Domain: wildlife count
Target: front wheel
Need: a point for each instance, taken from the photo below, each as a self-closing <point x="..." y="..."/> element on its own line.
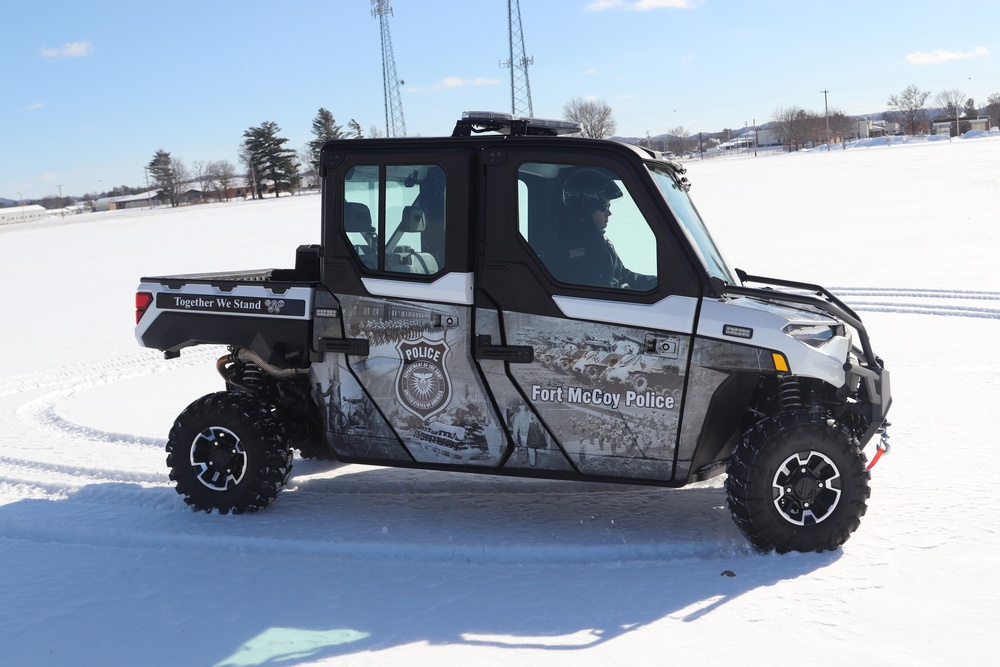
<point x="227" y="452"/>
<point x="797" y="483"/>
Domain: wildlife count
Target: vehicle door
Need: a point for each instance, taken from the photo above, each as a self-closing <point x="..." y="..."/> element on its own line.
<point x="595" y="358"/>
<point x="398" y="379"/>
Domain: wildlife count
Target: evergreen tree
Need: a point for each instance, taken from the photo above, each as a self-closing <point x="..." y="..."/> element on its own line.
<point x="267" y="159"/>
<point x="324" y="128"/>
<point x="354" y="128"/>
<point x="168" y="175"/>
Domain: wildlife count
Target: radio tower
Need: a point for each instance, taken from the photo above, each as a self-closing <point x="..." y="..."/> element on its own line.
<point x="520" y="89"/>
<point x="395" y="126"/>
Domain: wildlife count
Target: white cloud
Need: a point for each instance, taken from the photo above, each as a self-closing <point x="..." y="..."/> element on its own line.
<point x="36" y="105"/>
<point x="942" y="56"/>
<point x="68" y="50"/>
<point x="641" y="5"/>
<point x="458" y="82"/>
<point x="601" y="5"/>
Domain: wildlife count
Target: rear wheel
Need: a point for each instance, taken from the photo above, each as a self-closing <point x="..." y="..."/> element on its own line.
<point x="797" y="483"/>
<point x="226" y="452"/>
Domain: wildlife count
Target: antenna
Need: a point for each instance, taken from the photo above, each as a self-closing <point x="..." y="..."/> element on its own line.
<point x="520" y="89"/>
<point x="395" y="126"/>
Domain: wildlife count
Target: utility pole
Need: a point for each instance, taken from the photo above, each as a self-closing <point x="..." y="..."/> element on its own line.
<point x="826" y="109"/>
<point x="395" y="126"/>
<point x="520" y="88"/>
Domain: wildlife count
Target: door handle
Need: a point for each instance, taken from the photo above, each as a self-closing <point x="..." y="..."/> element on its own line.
<point x="512" y="354"/>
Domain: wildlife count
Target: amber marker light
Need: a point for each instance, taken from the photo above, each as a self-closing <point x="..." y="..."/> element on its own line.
<point x="780" y="364"/>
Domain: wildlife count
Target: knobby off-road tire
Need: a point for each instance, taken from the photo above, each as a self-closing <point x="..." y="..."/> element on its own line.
<point x="797" y="483"/>
<point x="226" y="452"/>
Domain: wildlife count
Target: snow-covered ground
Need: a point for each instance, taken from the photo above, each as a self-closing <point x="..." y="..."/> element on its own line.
<point x="101" y="563"/>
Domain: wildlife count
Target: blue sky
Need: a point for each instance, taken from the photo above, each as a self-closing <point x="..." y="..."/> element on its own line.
<point x="90" y="90"/>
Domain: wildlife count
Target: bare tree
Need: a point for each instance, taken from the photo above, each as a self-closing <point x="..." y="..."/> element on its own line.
<point x="200" y="170"/>
<point x="221" y="177"/>
<point x="952" y="101"/>
<point x="840" y="126"/>
<point x="677" y="140"/>
<point x="910" y="105"/>
<point x="790" y="124"/>
<point x="594" y="116"/>
<point x="308" y="169"/>
<point x="811" y="127"/>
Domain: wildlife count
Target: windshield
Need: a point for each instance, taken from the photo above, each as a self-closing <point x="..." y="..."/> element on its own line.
<point x="692" y="225"/>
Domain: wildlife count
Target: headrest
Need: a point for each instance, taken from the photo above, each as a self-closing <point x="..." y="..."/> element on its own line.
<point x="357" y="217"/>
<point x="413" y="220"/>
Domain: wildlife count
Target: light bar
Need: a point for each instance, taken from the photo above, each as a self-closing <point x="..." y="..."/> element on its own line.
<point x="505" y="123"/>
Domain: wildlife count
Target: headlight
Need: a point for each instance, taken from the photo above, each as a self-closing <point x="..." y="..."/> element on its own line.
<point x="814" y="335"/>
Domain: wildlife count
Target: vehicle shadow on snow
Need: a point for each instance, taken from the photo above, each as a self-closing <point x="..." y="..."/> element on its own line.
<point x="379" y="559"/>
<point x="519" y="563"/>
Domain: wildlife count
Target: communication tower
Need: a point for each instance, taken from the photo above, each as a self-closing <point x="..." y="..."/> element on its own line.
<point x="520" y="89"/>
<point x="395" y="126"/>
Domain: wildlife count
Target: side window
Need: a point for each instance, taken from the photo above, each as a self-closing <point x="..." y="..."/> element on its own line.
<point x="585" y="226"/>
<point x="394" y="217"/>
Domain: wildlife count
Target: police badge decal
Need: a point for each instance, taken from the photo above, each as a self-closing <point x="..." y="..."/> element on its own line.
<point x="422" y="383"/>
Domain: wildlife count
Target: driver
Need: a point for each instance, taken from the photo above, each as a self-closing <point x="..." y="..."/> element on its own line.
<point x="584" y="255"/>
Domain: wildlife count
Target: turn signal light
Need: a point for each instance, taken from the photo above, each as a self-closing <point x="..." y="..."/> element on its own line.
<point x="780" y="363"/>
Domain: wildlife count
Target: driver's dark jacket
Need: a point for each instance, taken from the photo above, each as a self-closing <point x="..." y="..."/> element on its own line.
<point x="583" y="256"/>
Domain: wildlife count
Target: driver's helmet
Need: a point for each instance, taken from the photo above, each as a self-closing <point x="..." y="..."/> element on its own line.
<point x="589" y="190"/>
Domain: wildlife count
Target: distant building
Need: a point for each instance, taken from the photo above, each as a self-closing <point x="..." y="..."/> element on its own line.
<point x="946" y="126"/>
<point x="126" y="201"/>
<point x="13" y="214"/>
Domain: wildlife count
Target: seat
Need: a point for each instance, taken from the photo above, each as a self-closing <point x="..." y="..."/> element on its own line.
<point x="358" y="220"/>
<point x="403" y="259"/>
<point x="413" y="220"/>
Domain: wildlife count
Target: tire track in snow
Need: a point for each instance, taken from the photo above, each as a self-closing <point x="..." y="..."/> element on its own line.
<point x="97" y="373"/>
<point x="27" y="468"/>
<point x="38" y="417"/>
<point x="915" y="301"/>
<point x="40" y="413"/>
<point x="917" y="292"/>
<point x="26" y="479"/>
